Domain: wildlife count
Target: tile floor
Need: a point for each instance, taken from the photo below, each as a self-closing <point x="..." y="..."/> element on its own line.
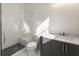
<point x="24" y="52"/>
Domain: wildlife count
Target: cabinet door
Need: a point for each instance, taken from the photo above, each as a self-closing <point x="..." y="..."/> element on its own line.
<point x="56" y="48"/>
<point x="45" y="49"/>
<point x="52" y="48"/>
<point x="73" y="50"/>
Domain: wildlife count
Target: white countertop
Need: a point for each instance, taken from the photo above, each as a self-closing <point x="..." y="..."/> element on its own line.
<point x="68" y="39"/>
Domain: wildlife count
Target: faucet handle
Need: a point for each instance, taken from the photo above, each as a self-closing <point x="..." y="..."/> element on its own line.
<point x="63" y="34"/>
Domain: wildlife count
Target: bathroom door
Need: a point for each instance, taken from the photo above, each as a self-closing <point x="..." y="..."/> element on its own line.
<point x="10" y="24"/>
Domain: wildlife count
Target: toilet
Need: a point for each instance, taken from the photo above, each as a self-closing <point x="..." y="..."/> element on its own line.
<point x="31" y="47"/>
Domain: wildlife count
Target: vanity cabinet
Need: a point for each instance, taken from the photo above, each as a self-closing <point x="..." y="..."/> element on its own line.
<point x="57" y="48"/>
<point x="51" y="48"/>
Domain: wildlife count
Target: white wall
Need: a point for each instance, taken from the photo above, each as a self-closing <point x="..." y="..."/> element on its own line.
<point x="40" y="14"/>
<point x="28" y="19"/>
<point x="10" y="24"/>
<point x="13" y="16"/>
<point x="65" y="18"/>
<point x="34" y="16"/>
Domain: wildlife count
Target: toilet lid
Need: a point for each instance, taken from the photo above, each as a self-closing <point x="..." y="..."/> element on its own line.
<point x="32" y="44"/>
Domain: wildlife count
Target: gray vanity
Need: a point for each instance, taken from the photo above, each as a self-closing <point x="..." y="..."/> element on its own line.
<point x="59" y="46"/>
